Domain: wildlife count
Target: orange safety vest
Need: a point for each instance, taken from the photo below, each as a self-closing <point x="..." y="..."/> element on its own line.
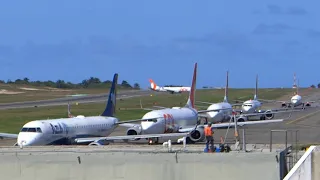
<point x="208" y="131"/>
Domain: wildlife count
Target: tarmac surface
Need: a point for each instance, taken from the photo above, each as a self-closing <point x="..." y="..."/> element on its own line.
<point x="82" y="99"/>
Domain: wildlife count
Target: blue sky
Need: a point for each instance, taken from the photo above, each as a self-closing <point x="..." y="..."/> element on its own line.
<point x="76" y="39"/>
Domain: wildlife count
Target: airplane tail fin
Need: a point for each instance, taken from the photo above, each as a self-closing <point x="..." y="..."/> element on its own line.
<point x="69" y="112"/>
<point x="190" y="102"/>
<point x="226" y="89"/>
<point x="111" y="104"/>
<point x="256" y="89"/>
<point x="153" y="85"/>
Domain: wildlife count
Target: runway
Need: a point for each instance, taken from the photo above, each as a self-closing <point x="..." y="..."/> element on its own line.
<point x="82" y="99"/>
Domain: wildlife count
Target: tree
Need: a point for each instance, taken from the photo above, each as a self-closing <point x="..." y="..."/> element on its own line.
<point x="313" y="86"/>
<point x="319" y="85"/>
<point x="136" y="86"/>
<point x="126" y="84"/>
<point x="26" y="80"/>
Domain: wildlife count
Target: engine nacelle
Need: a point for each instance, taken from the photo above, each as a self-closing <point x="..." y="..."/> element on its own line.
<point x="197" y="135"/>
<point x="269" y="114"/>
<point x="99" y="143"/>
<point x="242" y="119"/>
<point x="136" y="130"/>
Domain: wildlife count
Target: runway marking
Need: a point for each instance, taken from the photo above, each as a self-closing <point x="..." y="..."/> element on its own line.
<point x="303" y="117"/>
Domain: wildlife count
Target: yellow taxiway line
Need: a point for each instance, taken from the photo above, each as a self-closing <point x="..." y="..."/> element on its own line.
<point x="303" y="117"/>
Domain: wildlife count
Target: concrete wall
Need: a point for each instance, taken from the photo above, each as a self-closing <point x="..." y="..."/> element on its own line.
<point x="138" y="166"/>
<point x="315" y="165"/>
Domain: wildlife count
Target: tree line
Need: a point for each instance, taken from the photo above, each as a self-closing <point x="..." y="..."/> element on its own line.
<point x="92" y="82"/>
<point x="313" y="86"/>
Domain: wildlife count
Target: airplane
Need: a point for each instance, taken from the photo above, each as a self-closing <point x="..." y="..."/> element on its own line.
<point x="223" y="111"/>
<point x="64" y="131"/>
<point x="172" y="90"/>
<point x="296" y="99"/>
<point x="175" y="120"/>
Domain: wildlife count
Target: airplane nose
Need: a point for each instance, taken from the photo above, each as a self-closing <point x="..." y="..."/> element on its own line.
<point x="26" y="139"/>
<point x="149" y="127"/>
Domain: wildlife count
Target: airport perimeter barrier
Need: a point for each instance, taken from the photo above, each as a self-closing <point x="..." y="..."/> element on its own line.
<point x="308" y="166"/>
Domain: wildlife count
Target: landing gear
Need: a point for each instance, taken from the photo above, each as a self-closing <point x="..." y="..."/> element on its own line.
<point x="262" y="117"/>
<point x="153" y="141"/>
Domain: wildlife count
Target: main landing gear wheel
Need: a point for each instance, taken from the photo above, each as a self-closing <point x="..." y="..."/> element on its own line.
<point x="153" y="141"/>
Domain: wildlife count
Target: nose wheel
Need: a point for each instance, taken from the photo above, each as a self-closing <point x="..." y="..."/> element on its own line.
<point x="153" y="141"/>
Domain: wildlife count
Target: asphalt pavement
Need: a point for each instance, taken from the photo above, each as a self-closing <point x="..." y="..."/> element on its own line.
<point x="82" y="99"/>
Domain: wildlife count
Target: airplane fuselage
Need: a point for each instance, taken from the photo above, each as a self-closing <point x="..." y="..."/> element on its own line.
<point x="250" y="106"/>
<point x="296" y="100"/>
<point x="63" y="131"/>
<point x="172" y="119"/>
<point x="221" y="112"/>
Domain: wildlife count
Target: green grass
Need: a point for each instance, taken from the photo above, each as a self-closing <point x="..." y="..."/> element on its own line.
<point x="44" y="93"/>
<point x="12" y="120"/>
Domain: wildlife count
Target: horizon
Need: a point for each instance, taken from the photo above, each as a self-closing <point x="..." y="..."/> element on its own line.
<point x="74" y="40"/>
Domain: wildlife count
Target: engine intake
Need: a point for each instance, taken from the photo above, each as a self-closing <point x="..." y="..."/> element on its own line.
<point x="269" y="114"/>
<point x="197" y="135"/>
<point x="136" y="130"/>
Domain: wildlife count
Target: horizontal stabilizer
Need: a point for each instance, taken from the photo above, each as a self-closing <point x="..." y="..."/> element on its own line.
<point x="131" y="137"/>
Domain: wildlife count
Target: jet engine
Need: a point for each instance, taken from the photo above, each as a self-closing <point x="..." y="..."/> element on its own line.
<point x="269" y="114"/>
<point x="197" y="135"/>
<point x="242" y="119"/>
<point x="135" y="130"/>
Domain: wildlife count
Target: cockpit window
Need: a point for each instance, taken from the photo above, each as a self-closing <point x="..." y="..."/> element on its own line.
<point x="31" y="130"/>
<point x="39" y="130"/>
<point x="247" y="105"/>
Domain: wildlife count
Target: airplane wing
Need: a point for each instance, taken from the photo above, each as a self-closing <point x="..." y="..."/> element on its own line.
<point x="130" y="137"/>
<point x="8" y="135"/>
<point x="218" y="125"/>
<point x="275" y="111"/>
<point x="137" y="120"/>
<point x="210" y="103"/>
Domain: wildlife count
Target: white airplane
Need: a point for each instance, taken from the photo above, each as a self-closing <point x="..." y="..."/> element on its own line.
<point x="172" y="90"/>
<point x="175" y="120"/>
<point x="296" y="99"/>
<point x="65" y="131"/>
<point x="223" y="111"/>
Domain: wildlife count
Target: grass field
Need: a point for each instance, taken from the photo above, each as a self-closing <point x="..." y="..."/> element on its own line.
<point x="18" y="93"/>
<point x="12" y="120"/>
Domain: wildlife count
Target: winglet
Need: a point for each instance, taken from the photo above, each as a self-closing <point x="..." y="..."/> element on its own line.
<point x="190" y="102"/>
<point x="111" y="104"/>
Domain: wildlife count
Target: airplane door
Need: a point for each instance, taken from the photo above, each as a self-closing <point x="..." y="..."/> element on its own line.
<point x="169" y="123"/>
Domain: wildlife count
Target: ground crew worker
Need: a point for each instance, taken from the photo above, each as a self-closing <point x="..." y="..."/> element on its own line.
<point x="209" y="137"/>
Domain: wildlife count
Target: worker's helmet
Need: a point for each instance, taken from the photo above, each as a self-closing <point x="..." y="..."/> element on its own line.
<point x="209" y="123"/>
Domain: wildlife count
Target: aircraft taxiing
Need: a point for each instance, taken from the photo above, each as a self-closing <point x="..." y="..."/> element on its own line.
<point x="172" y="90"/>
<point x="65" y="131"/>
<point x="175" y="120"/>
<point x="296" y="99"/>
<point x="223" y="111"/>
